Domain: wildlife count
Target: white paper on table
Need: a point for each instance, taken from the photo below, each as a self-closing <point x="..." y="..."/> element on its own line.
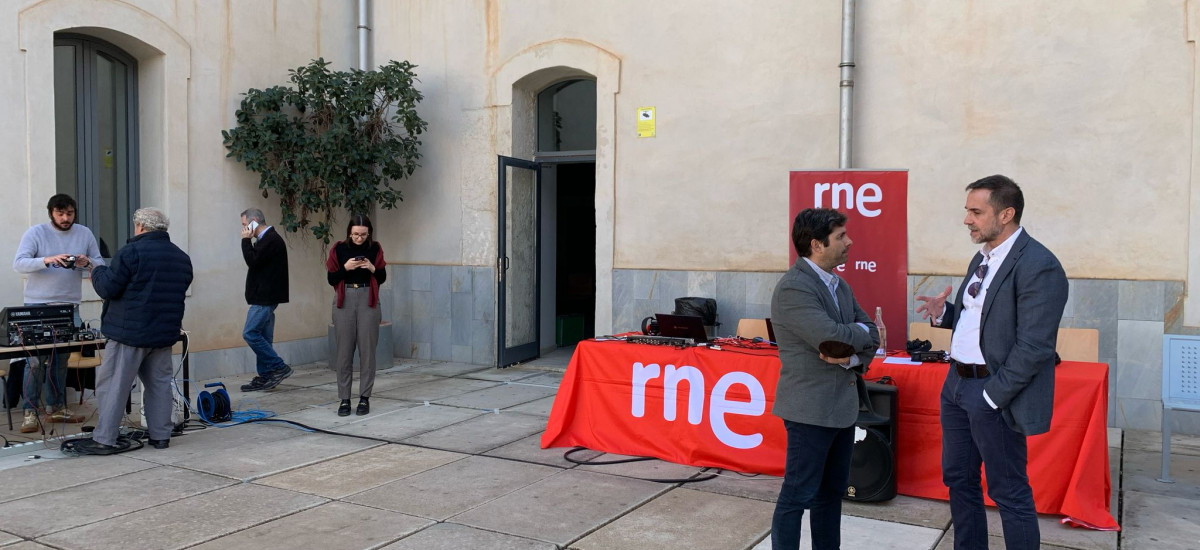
<point x="901" y="361"/>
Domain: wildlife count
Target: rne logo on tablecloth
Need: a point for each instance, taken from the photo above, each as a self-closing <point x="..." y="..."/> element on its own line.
<point x="718" y="403"/>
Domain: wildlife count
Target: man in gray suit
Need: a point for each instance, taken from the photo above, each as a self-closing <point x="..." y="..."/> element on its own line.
<point x="817" y="395"/>
<point x="1000" y="387"/>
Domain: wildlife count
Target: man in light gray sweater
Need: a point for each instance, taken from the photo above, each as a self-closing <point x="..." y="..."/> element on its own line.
<point x="44" y="255"/>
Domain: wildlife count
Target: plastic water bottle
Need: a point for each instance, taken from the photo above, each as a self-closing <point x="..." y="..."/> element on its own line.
<point x="882" y="331"/>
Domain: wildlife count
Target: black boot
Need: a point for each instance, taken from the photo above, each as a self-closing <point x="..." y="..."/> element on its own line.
<point x="344" y="408"/>
<point x="364" y="406"/>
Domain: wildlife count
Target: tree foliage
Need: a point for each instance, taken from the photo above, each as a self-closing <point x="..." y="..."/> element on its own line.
<point x="333" y="139"/>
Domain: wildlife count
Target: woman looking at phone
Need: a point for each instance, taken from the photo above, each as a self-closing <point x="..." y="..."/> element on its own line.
<point x="356" y="269"/>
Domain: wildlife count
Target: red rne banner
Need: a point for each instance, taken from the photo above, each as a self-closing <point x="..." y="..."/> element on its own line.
<point x="876" y="205"/>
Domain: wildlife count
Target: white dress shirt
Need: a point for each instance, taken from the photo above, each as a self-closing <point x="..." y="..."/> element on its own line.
<point x="964" y="344"/>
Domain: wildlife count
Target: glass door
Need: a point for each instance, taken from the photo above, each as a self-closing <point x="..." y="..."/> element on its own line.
<point x="518" y="315"/>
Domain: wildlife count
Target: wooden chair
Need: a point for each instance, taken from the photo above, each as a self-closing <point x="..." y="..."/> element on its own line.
<point x="1074" y="344"/>
<point x="78" y="361"/>
<point x="1079" y="344"/>
<point x="752" y="328"/>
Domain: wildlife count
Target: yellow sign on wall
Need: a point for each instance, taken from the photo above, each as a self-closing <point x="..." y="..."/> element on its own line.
<point x="645" y="122"/>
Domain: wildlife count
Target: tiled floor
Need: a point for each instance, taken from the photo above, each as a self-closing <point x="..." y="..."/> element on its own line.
<point x="450" y="458"/>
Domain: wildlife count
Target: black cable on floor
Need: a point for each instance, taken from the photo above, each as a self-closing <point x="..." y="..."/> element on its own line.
<point x="567" y="457"/>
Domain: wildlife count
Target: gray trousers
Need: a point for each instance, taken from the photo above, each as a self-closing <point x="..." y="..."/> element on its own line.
<point x="355" y="324"/>
<point x="114" y="380"/>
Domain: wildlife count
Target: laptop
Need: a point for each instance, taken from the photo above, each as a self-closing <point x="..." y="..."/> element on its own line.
<point x="771" y="332"/>
<point x="682" y="326"/>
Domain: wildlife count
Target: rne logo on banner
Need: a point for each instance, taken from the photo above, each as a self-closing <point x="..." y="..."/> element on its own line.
<point x="868" y="193"/>
<point x="718" y="405"/>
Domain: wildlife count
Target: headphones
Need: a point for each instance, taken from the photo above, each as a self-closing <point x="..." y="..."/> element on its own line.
<point x="650" y="326"/>
<point x="215" y="406"/>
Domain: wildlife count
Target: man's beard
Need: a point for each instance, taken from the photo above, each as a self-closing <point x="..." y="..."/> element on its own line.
<point x="987" y="234"/>
<point x="61" y="228"/>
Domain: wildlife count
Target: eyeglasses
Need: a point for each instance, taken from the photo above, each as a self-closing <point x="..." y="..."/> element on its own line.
<point x="360" y="234"/>
<point x="980" y="272"/>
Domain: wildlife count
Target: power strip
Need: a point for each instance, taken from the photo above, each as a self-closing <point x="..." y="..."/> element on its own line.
<point x="37" y="447"/>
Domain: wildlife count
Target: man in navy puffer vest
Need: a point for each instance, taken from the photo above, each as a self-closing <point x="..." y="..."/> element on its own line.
<point x="143" y="293"/>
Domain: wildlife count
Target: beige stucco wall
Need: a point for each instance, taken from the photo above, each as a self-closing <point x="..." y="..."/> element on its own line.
<point x="1089" y="105"/>
<point x="195" y="58"/>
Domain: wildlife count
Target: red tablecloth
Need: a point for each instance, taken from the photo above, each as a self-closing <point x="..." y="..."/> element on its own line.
<point x="717" y="413"/>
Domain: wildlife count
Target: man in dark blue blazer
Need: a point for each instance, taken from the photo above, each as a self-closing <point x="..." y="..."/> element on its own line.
<point x="1000" y="388"/>
<point x="817" y="395"/>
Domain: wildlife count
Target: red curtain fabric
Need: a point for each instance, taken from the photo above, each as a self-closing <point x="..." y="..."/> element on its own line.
<point x="706" y="407"/>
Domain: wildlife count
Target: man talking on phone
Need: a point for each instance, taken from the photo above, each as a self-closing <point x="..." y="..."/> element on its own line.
<point x="266" y="287"/>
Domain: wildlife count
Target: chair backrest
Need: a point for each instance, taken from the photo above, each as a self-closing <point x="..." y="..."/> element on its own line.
<point x="752" y="328"/>
<point x="1074" y="344"/>
<point x="938" y="337"/>
<point x="1079" y="344"/>
<point x="78" y="361"/>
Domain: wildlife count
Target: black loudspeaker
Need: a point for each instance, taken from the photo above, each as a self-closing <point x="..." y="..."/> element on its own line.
<point x="873" y="461"/>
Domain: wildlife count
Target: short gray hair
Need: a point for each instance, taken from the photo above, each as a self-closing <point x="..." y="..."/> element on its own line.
<point x="255" y="214"/>
<point x="151" y="219"/>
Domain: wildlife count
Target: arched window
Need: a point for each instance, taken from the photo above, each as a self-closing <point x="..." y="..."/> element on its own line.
<point x="566" y="119"/>
<point x="95" y="134"/>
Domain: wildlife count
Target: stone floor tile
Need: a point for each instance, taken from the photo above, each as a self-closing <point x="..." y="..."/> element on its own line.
<point x="282" y="401"/>
<point x="1160" y="522"/>
<point x="877" y="535"/>
<point x="8" y="538"/>
<point x="360" y="471"/>
<point x="27" y="545"/>
<point x="994" y="543"/>
<point x="551" y="379"/>
<point x="451" y="536"/>
<point x="1151" y="442"/>
<point x="191" y="521"/>
<point x="499" y="397"/>
<point x="449" y="369"/>
<point x="712" y="521"/>
<point x="385" y="382"/>
<point x="202" y="443"/>
<point x="439" y="389"/>
<point x="52" y="475"/>
<point x="307" y="377"/>
<point x="482" y="433"/>
<point x="442" y="492"/>
<point x="325" y="416"/>
<point x="330" y="525"/>
<point x="562" y="507"/>
<point x="510" y="374"/>
<point x="539" y="407"/>
<point x="922" y="512"/>
<point x="115" y="496"/>
<point x="1054" y="533"/>
<point x="1143" y="469"/>
<point x="404" y="423"/>
<point x="248" y="462"/>
<point x="529" y="449"/>
<point x="652" y="469"/>
<point x="755" y="486"/>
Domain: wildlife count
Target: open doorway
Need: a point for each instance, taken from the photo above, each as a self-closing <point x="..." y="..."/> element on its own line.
<point x="568" y="263"/>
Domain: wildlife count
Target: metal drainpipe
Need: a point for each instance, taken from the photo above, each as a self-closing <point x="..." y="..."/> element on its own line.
<point x="846" y="127"/>
<point x="364" y="35"/>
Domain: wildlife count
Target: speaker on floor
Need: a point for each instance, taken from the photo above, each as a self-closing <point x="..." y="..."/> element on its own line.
<point x="873" y="461"/>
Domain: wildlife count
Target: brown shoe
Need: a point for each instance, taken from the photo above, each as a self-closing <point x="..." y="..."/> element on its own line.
<point x="64" y="415"/>
<point x="30" y="424"/>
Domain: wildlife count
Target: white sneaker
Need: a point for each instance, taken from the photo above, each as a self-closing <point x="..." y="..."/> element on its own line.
<point x="64" y="415"/>
<point x="30" y="424"/>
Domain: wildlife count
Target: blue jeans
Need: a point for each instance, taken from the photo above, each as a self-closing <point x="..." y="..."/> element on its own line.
<point x="35" y="380"/>
<point x="816" y="472"/>
<point x="259" y="333"/>
<point x="973" y="433"/>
